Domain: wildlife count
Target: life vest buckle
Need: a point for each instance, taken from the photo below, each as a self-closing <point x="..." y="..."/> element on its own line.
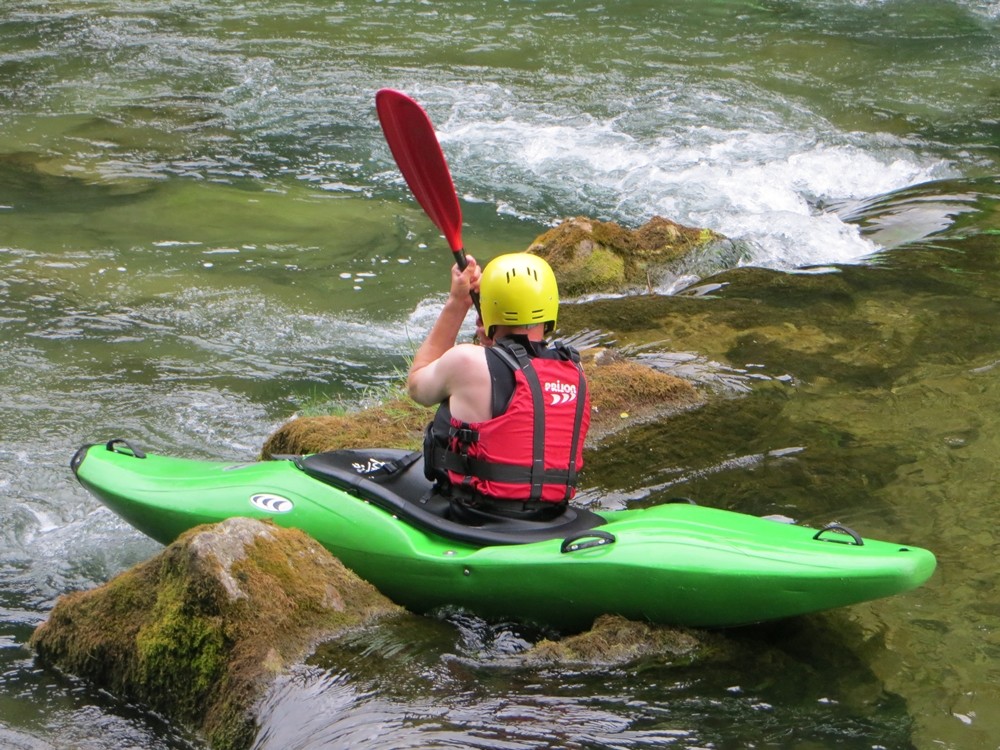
<point x="464" y="435"/>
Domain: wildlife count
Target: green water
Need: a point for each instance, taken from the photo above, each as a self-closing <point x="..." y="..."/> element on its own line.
<point x="888" y="423"/>
<point x="201" y="231"/>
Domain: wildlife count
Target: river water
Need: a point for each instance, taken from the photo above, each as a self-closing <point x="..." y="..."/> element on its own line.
<point x="202" y="232"/>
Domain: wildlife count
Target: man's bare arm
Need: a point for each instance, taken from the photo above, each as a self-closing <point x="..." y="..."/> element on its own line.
<point x="427" y="383"/>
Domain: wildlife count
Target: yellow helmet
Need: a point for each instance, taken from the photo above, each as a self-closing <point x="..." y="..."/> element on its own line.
<point x="518" y="289"/>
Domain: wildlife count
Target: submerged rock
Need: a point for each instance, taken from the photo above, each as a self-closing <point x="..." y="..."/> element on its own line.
<point x="616" y="641"/>
<point x="198" y="632"/>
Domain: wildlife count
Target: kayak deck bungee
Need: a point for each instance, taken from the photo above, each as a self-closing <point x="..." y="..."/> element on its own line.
<point x="675" y="563"/>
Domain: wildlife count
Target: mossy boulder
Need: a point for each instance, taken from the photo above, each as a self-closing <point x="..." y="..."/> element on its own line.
<point x="198" y="632"/>
<point x="590" y="256"/>
<point x="395" y="422"/>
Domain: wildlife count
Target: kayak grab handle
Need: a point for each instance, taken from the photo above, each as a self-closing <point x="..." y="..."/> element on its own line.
<point x="593" y="537"/>
<point x="840" y="528"/>
<point x="681" y="500"/>
<point x="131" y="449"/>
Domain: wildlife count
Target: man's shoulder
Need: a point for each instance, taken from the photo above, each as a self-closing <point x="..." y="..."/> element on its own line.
<point x="469" y="355"/>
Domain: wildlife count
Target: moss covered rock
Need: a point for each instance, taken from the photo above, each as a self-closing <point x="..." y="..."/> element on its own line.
<point x="591" y="256"/>
<point x="623" y="393"/>
<point x="615" y="641"/>
<point x="397" y="422"/>
<point x="198" y="632"/>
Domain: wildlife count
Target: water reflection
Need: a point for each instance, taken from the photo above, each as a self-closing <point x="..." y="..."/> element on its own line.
<point x="464" y="683"/>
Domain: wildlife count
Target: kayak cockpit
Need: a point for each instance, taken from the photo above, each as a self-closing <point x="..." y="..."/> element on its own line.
<point x="394" y="481"/>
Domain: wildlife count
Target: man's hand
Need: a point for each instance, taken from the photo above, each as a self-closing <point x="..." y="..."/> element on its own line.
<point x="464" y="283"/>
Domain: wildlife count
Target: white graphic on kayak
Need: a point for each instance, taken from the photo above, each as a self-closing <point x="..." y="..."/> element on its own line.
<point x="271" y="503"/>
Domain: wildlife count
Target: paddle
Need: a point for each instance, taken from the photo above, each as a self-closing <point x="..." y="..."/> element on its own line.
<point x="410" y="135"/>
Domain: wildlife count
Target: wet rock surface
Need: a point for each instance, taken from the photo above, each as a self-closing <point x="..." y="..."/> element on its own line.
<point x="198" y="632"/>
<point x="602" y="257"/>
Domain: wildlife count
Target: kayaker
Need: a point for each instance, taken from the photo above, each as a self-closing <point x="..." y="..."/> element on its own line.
<point x="513" y="413"/>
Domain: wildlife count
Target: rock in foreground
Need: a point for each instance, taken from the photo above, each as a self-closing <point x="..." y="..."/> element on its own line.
<point x="198" y="632"/>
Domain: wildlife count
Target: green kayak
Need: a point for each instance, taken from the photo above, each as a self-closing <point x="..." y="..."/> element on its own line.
<point x="676" y="563"/>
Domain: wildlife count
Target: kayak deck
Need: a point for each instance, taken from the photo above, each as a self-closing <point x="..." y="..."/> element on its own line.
<point x="394" y="480"/>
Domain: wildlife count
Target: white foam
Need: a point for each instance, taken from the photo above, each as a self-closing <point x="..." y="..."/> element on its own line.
<point x="754" y="177"/>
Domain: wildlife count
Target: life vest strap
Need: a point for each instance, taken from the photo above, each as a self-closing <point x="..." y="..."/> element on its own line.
<point x="581" y="400"/>
<point x="492" y="471"/>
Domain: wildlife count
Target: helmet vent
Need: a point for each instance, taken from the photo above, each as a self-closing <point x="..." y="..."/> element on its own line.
<point x="514" y="317"/>
<point x="512" y="273"/>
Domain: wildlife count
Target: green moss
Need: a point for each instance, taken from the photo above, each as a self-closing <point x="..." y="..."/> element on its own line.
<point x="594" y="271"/>
<point x="595" y="256"/>
<point x="173" y="634"/>
<point x="394" y="423"/>
<point x="180" y="654"/>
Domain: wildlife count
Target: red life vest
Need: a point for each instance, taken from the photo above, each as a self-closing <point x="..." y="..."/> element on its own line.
<point x="530" y="452"/>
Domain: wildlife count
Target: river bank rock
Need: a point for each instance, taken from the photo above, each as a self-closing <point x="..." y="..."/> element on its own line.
<point x="393" y="422"/>
<point x="198" y="632"/>
<point x="622" y="392"/>
<point x="587" y="256"/>
<point x="590" y="256"/>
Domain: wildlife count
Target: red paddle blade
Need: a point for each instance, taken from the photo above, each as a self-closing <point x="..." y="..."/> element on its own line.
<point x="410" y="135"/>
